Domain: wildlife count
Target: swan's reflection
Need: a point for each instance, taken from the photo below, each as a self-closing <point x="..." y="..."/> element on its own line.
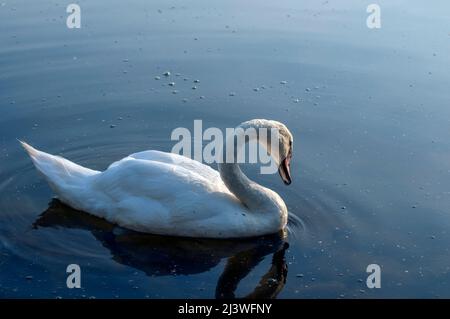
<point x="162" y="255"/>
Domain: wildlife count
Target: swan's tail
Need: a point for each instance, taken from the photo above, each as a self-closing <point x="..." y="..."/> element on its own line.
<point x="63" y="176"/>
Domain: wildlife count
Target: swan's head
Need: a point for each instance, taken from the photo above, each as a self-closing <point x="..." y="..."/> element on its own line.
<point x="282" y="156"/>
<point x="285" y="144"/>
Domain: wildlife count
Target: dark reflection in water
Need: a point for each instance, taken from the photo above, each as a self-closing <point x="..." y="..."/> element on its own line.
<point x="239" y="265"/>
<point x="163" y="255"/>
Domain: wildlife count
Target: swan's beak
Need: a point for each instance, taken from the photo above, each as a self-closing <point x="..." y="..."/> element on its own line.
<point x="285" y="170"/>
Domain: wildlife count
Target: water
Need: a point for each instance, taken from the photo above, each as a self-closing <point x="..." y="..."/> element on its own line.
<point x="368" y="110"/>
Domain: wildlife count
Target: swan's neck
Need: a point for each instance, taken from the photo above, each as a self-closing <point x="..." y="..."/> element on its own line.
<point x="251" y="194"/>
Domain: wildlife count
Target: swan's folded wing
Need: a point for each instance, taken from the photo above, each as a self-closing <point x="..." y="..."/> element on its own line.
<point x="154" y="196"/>
<point x="179" y="160"/>
<point x="157" y="179"/>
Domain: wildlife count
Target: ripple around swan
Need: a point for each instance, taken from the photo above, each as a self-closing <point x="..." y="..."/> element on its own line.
<point x="295" y="225"/>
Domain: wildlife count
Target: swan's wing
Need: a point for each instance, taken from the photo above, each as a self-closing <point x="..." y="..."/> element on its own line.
<point x="159" y="197"/>
<point x="178" y="160"/>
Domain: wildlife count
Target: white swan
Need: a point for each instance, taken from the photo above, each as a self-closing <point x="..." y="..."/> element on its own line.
<point x="168" y="194"/>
